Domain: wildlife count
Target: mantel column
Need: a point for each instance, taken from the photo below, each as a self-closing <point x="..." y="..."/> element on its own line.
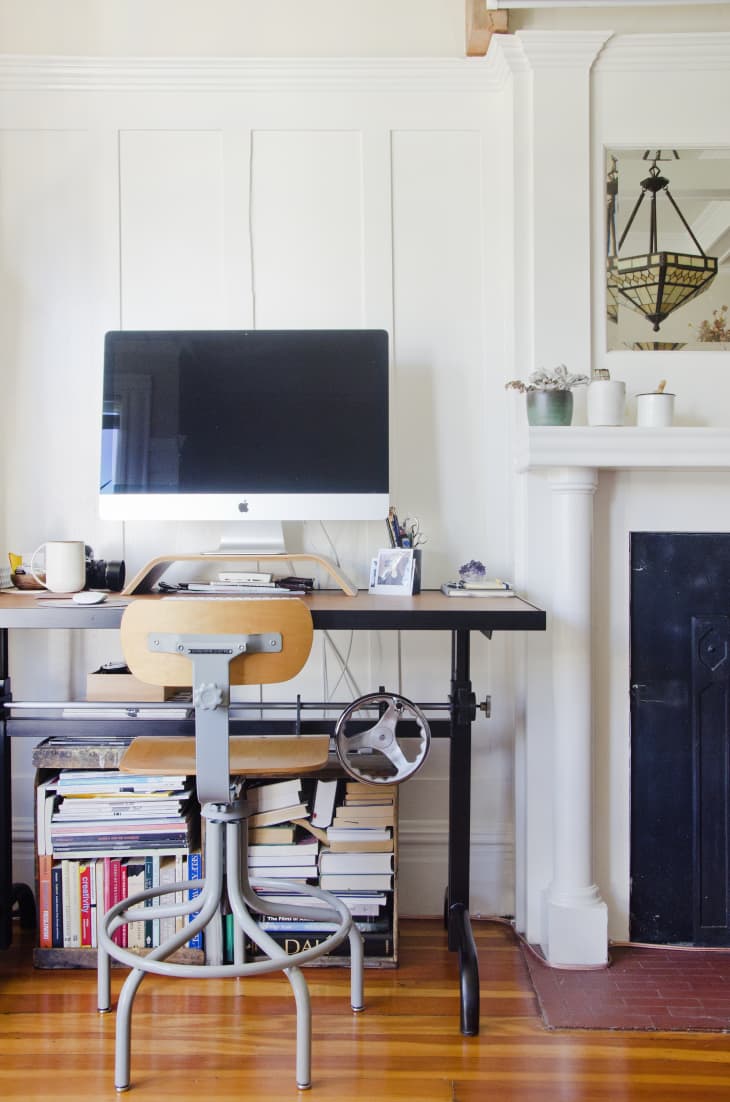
<point x="576" y="918"/>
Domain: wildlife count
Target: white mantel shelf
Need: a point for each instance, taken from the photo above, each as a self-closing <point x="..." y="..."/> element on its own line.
<point x="677" y="448"/>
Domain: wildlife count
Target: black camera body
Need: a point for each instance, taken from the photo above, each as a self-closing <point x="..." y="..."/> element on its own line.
<point x="104" y="575"/>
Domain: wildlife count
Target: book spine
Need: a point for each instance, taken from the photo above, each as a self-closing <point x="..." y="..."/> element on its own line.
<point x="123" y="892"/>
<point x="115" y="875"/>
<point x="57" y="905"/>
<point x="71" y="905"/>
<point x="149" y="934"/>
<point x="85" y="876"/>
<point x="374" y="945"/>
<point x="99" y="898"/>
<point x="45" y="865"/>
<point x="195" y="872"/>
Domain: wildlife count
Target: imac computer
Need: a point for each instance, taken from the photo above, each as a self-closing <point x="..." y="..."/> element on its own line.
<point x="245" y="425"/>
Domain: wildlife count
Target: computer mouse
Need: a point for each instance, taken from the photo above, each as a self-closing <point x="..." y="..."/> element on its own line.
<point x="89" y="597"/>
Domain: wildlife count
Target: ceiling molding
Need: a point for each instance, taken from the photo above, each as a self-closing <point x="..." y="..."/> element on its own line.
<point x="565" y="50"/>
<point x="505" y="5"/>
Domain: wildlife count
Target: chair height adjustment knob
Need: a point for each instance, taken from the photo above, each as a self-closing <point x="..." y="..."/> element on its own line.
<point x="207" y="696"/>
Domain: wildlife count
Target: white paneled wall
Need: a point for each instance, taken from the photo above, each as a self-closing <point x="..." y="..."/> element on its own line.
<point x="172" y="229"/>
<point x="275" y="195"/>
<point x="307" y="239"/>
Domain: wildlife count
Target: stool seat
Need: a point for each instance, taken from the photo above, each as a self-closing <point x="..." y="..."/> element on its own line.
<point x="249" y="755"/>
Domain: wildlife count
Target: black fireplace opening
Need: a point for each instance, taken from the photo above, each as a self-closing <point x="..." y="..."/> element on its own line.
<point x="680" y="738"/>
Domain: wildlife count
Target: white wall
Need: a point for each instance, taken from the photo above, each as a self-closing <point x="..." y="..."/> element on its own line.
<point x="208" y="195"/>
<point x="234" y="28"/>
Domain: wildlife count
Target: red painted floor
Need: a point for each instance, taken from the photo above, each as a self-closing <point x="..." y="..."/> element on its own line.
<point x="674" y="989"/>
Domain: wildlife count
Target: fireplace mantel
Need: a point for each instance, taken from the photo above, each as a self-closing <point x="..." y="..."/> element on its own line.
<point x="675" y="448"/>
<point x="574" y="914"/>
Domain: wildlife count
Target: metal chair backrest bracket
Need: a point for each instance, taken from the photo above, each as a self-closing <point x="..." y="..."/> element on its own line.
<point x="210" y="657"/>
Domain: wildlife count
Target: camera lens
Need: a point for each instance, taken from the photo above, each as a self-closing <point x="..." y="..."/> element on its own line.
<point x="105" y="575"/>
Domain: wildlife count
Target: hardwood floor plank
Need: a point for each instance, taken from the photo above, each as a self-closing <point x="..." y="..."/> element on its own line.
<point x="234" y="1040"/>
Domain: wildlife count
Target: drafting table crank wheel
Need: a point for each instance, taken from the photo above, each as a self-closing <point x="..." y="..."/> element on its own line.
<point x="376" y="755"/>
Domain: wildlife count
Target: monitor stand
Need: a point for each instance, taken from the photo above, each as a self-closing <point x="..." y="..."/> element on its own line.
<point x="251" y="537"/>
<point x="149" y="575"/>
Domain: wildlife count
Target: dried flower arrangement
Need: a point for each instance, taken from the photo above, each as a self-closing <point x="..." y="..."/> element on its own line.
<point x="716" y="330"/>
<point x="556" y="378"/>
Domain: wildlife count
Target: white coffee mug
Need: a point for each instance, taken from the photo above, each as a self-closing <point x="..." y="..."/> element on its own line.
<point x="65" y="566"/>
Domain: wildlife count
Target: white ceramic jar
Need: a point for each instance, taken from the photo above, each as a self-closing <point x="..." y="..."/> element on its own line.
<point x="606" y="401"/>
<point x="655" y="410"/>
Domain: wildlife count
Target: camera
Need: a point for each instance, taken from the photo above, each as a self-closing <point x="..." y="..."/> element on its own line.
<point x="103" y="575"/>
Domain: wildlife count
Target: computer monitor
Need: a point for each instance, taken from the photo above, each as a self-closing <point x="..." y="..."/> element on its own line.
<point x="245" y="425"/>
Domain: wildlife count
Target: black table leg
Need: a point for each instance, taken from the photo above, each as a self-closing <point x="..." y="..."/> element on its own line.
<point x="6" y="836"/>
<point x="461" y="938"/>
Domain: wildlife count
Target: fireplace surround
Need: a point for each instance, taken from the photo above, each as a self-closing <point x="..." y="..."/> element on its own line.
<point x="561" y="902"/>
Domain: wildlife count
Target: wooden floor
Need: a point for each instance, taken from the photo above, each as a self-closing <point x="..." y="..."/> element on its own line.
<point x="224" y="1041"/>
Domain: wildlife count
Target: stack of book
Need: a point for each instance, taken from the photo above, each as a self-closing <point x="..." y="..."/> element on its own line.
<point x="356" y="825"/>
<point x="258" y="583"/>
<point x="480" y="587"/>
<point x="279" y="848"/>
<point x="103" y="835"/>
<point x="274" y="804"/>
<point x="360" y="840"/>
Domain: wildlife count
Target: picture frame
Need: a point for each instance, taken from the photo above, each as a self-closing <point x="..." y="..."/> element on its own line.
<point x="392" y="573"/>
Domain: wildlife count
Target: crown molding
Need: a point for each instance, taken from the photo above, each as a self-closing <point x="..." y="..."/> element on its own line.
<point x="137" y="74"/>
<point x="562" y="49"/>
<point x="506" y="58"/>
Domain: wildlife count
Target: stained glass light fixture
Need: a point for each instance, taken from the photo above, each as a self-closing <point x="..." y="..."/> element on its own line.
<point x="611" y="248"/>
<point x="656" y="283"/>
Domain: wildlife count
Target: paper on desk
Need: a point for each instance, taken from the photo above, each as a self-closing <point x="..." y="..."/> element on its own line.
<point x="68" y="602"/>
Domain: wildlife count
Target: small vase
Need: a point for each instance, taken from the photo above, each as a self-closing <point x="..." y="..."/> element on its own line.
<point x="549" y="407"/>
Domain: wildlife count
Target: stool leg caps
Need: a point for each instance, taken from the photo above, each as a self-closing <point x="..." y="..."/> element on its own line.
<point x="357" y="1009"/>
<point x="121" y="1090"/>
<point x="304" y="1086"/>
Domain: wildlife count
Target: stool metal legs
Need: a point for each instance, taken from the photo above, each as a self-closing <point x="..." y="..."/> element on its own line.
<point x="231" y="820"/>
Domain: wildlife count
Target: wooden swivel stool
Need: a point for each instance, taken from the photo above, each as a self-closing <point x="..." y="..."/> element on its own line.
<point x="213" y="644"/>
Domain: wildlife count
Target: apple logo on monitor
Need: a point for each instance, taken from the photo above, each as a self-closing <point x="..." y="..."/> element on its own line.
<point x="243" y="506"/>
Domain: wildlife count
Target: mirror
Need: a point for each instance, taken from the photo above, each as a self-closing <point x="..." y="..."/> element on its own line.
<point x="668" y="249"/>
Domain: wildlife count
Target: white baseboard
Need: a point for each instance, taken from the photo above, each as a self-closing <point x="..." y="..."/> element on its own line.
<point x="423" y="870"/>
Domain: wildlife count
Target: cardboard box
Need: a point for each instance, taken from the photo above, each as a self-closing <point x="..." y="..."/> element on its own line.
<point x="124" y="686"/>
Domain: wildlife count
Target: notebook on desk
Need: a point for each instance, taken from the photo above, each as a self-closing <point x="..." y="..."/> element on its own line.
<point x="230" y="596"/>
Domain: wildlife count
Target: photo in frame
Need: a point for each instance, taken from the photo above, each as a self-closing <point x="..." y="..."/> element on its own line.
<point x="393" y="572"/>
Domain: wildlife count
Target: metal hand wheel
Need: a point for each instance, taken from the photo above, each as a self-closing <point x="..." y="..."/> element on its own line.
<point x="376" y="755"/>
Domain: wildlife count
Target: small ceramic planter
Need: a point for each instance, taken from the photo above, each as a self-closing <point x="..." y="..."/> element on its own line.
<point x="655" y="410"/>
<point x="549" y="407"/>
<point x="606" y="402"/>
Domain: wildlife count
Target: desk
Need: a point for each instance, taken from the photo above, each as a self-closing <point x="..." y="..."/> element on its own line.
<point x="428" y="611"/>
